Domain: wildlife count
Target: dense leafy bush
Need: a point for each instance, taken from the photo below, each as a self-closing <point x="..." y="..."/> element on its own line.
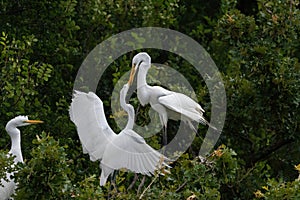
<point x="47" y="170"/>
<point x="6" y="165"/>
<point x="255" y="45"/>
<point x="275" y="189"/>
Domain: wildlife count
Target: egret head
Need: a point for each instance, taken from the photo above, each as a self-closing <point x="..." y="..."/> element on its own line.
<point x="137" y="61"/>
<point x="20" y="121"/>
<point x="123" y="94"/>
<point x="127" y="107"/>
<point x="124" y="91"/>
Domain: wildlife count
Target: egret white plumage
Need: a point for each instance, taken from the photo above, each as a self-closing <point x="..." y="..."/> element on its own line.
<point x="12" y="129"/>
<point x="167" y="103"/>
<point x="115" y="151"/>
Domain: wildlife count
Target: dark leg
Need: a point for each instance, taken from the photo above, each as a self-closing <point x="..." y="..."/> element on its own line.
<point x="133" y="182"/>
<point x="113" y="181"/>
<point x="112" y="186"/>
<point x="141" y="184"/>
<point x="165" y="136"/>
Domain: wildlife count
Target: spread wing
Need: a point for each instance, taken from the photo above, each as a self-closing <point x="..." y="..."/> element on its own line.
<point x="184" y="105"/>
<point x="87" y="113"/>
<point x="133" y="153"/>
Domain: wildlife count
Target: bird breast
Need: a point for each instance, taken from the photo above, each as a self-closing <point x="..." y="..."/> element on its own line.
<point x="143" y="95"/>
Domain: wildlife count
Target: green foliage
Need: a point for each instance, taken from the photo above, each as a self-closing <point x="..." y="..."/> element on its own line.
<point x="46" y="175"/>
<point x="88" y="188"/>
<point x="227" y="165"/>
<point x="20" y="79"/>
<point x="190" y="177"/>
<point x="99" y="19"/>
<point x="261" y="72"/>
<point x="255" y="45"/>
<point x="280" y="189"/>
<point x="22" y="82"/>
<point x="6" y="165"/>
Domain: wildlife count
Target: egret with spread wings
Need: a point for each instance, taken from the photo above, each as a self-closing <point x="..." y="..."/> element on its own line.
<point x="9" y="186"/>
<point x="115" y="151"/>
<point x="167" y="103"/>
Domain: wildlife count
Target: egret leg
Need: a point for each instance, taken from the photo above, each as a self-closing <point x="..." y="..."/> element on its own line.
<point x="165" y="136"/>
<point x="163" y="120"/>
<point x="113" y="180"/>
<point x="133" y="182"/>
<point x="141" y="185"/>
<point x="112" y="186"/>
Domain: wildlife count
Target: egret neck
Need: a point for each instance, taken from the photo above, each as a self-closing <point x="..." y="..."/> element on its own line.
<point x="15" y="136"/>
<point x="129" y="109"/>
<point x="142" y="86"/>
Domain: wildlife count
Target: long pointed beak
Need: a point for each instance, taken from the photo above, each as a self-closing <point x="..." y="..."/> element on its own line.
<point x="132" y="73"/>
<point x="34" y="121"/>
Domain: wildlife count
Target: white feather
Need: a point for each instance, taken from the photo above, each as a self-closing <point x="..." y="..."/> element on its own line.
<point x="184" y="105"/>
<point x="87" y="113"/>
<point x="125" y="150"/>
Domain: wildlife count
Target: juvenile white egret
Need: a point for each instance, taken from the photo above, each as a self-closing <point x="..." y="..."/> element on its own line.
<point x="167" y="103"/>
<point x="115" y="151"/>
<point x="8" y="188"/>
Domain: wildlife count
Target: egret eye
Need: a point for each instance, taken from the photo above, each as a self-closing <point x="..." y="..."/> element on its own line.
<point x="167" y="103"/>
<point x="12" y="129"/>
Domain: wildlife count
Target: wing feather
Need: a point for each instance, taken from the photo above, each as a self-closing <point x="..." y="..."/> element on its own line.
<point x="184" y="105"/>
<point x="133" y="153"/>
<point x="87" y="113"/>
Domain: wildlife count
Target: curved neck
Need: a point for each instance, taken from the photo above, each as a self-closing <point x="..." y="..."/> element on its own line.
<point x="142" y="75"/>
<point x="130" y="111"/>
<point x="15" y="137"/>
<point x="143" y="93"/>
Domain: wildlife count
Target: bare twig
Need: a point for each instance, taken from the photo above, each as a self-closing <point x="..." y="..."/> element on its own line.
<point x="147" y="188"/>
<point x="133" y="182"/>
<point x="161" y="169"/>
<point x="181" y="186"/>
<point x="141" y="185"/>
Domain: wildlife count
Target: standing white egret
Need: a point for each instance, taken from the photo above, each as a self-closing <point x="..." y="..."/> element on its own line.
<point x="167" y="103"/>
<point x="115" y="151"/>
<point x="8" y="188"/>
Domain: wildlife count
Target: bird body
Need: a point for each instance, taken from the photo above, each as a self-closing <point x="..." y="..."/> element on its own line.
<point x="131" y="147"/>
<point x="115" y="151"/>
<point x="171" y="104"/>
<point x="9" y="186"/>
<point x="167" y="103"/>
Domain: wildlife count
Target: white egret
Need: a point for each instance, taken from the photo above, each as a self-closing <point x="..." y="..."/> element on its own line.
<point x="167" y="103"/>
<point x="9" y="186"/>
<point x="115" y="151"/>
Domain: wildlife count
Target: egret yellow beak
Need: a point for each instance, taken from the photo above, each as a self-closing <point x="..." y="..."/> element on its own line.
<point x="34" y="121"/>
<point x="132" y="73"/>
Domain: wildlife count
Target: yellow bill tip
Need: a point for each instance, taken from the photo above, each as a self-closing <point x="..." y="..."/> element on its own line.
<point x="34" y="121"/>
